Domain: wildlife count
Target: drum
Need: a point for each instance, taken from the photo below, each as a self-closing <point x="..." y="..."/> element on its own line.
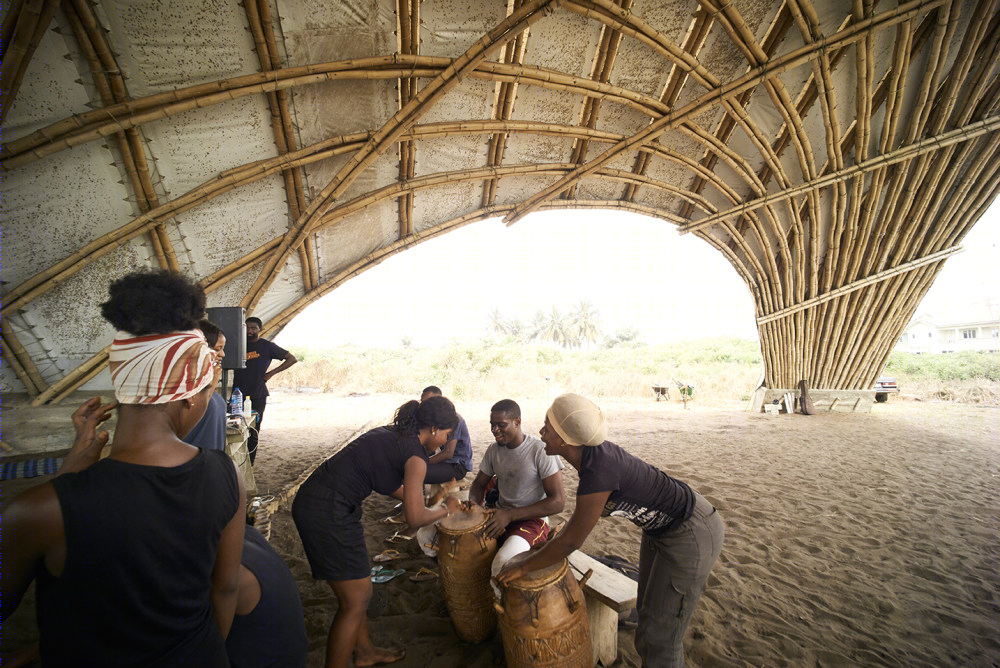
<point x="465" y="556"/>
<point x="543" y="620"/>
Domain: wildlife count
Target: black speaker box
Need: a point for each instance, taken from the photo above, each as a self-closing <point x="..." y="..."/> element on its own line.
<point x="231" y="320"/>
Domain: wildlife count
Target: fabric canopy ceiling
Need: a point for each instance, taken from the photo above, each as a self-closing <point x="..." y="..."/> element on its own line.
<point x="835" y="153"/>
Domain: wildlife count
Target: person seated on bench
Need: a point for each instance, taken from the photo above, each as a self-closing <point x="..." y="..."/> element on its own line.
<point x="682" y="533"/>
<point x="529" y="480"/>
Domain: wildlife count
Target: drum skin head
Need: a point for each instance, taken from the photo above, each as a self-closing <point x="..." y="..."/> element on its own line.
<point x="463" y="520"/>
<point x="541" y="576"/>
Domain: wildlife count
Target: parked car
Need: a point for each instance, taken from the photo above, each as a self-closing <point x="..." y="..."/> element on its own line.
<point x="885" y="386"/>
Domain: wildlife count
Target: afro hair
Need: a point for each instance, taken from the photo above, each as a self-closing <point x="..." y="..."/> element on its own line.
<point x="154" y="302"/>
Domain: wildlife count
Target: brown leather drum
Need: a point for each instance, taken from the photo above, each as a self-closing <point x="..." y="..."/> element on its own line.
<point x="465" y="556"/>
<point x="543" y="620"/>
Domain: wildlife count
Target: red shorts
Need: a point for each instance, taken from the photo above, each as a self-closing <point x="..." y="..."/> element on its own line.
<point x="534" y="531"/>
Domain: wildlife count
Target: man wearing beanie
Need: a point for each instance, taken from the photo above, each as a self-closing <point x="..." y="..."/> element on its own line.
<point x="529" y="482"/>
<point x="682" y="532"/>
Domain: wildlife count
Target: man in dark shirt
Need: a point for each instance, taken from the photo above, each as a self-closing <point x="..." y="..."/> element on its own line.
<point x="252" y="381"/>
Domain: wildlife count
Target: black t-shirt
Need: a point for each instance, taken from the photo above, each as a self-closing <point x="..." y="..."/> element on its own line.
<point x="273" y="635"/>
<point x="375" y="461"/>
<point x="260" y="354"/>
<point x="639" y="492"/>
<point x="141" y="544"/>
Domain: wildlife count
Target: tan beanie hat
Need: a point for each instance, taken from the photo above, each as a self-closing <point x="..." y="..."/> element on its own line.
<point x="577" y="420"/>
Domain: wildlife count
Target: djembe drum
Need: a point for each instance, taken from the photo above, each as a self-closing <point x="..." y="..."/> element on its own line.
<point x="543" y="620"/>
<point x="465" y="555"/>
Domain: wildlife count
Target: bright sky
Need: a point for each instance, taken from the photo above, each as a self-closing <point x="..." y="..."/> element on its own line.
<point x="636" y="271"/>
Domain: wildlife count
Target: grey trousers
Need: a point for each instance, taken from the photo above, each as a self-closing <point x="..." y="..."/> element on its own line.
<point x="673" y="570"/>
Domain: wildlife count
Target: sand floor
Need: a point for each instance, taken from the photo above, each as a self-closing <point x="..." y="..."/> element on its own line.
<point x="852" y="540"/>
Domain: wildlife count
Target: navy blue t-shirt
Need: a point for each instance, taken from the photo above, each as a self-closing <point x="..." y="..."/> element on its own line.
<point x="260" y="354"/>
<point x="463" y="446"/>
<point x="273" y="634"/>
<point x="210" y="432"/>
<point x="639" y="492"/>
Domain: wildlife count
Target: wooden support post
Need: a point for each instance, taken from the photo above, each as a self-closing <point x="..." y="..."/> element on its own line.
<point x="607" y="593"/>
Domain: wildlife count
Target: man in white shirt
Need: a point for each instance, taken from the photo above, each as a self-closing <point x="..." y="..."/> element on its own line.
<point x="529" y="482"/>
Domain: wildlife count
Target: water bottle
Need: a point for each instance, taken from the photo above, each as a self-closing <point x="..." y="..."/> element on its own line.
<point x="236" y="403"/>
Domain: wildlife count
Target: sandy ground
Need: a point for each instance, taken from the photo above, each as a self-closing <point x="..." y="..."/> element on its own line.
<point x="852" y="540"/>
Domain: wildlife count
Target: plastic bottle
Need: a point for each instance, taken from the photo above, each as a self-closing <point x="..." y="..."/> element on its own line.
<point x="236" y="403"/>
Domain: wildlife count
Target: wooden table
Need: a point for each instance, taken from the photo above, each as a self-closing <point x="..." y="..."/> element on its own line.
<point x="236" y="448"/>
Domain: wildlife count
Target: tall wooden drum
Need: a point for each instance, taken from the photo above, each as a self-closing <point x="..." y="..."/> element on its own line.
<point x="543" y="620"/>
<point x="465" y="555"/>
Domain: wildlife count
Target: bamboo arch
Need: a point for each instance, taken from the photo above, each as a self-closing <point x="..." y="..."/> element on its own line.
<point x="889" y="161"/>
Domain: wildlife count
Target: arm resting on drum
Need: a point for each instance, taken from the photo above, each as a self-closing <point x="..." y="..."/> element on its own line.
<point x="417" y="515"/>
<point x="585" y="516"/>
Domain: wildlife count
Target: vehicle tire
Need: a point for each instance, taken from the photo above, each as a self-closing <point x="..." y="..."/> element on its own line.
<point x="881" y="397"/>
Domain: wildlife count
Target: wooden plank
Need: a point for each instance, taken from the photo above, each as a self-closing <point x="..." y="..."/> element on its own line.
<point x="615" y="590"/>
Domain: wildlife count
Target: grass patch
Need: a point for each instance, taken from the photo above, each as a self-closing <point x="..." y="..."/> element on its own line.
<point x="722" y="371"/>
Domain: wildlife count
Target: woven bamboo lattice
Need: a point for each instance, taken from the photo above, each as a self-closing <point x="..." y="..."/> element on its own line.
<point x="835" y="153"/>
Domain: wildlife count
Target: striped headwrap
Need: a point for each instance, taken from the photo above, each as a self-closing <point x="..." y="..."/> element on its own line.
<point x="159" y="368"/>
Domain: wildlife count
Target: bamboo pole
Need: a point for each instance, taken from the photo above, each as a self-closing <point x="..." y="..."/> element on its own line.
<point x="802" y="55"/>
<point x="857" y="285"/>
<point x="90" y="126"/>
<point x="390" y="132"/>
<point x="111" y="88"/>
<point x="61" y="271"/>
<point x="24" y="27"/>
<point x="18" y="368"/>
<point x="698" y="30"/>
<point x="24" y="363"/>
<point x="904" y="153"/>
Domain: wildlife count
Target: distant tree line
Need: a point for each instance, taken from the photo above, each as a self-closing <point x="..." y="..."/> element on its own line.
<point x="576" y="328"/>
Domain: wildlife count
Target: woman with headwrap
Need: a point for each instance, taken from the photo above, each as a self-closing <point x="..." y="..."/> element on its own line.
<point x="390" y="460"/>
<point x="136" y="556"/>
<point x="681" y="531"/>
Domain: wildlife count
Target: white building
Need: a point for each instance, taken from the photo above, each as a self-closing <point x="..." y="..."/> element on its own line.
<point x="976" y="329"/>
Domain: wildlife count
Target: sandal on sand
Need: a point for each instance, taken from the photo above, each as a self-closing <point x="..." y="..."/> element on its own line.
<point x="386" y="575"/>
<point x="397" y="538"/>
<point x="393" y="519"/>
<point x="387" y="555"/>
<point x="423" y="575"/>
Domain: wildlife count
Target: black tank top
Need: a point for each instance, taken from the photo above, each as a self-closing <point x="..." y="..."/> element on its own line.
<point x="141" y="543"/>
<point x="375" y="461"/>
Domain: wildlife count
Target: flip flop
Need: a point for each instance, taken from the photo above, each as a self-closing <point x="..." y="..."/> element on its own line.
<point x="386" y="575"/>
<point x="393" y="519"/>
<point x="423" y="575"/>
<point x="397" y="538"/>
<point x="387" y="555"/>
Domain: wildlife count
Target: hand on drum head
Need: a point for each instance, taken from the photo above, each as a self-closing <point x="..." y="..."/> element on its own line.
<point x="513" y="569"/>
<point x="452" y="504"/>
<point x="496" y="522"/>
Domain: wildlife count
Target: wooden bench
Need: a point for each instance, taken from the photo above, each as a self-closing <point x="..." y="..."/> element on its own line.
<point x="607" y="593"/>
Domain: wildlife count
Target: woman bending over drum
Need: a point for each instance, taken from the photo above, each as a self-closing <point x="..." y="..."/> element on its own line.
<point x="327" y="513"/>
<point x="682" y="533"/>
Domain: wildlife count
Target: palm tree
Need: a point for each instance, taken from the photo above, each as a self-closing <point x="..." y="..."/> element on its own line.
<point x="498" y="323"/>
<point x="536" y="330"/>
<point x="557" y="331"/>
<point x="583" y="323"/>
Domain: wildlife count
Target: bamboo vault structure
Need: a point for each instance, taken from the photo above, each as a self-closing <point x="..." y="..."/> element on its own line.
<point x="836" y="153"/>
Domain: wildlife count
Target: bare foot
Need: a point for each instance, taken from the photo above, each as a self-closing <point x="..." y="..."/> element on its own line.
<point x="378" y="656"/>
